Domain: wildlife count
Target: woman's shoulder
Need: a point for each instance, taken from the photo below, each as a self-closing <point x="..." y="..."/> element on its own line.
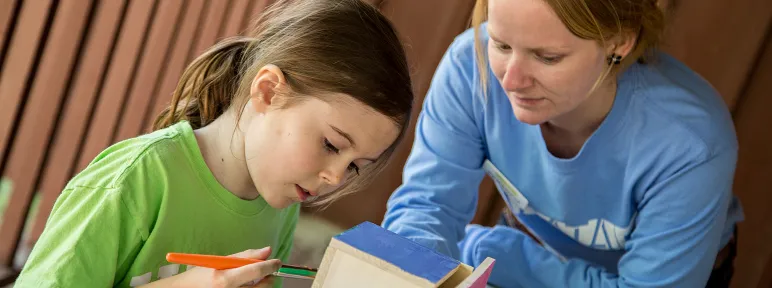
<point x="462" y="48"/>
<point x="676" y="100"/>
<point x="459" y="68"/>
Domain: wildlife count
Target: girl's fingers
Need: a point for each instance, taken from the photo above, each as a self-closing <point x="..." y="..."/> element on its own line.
<point x="266" y="282"/>
<point x="260" y="254"/>
<point x="251" y="272"/>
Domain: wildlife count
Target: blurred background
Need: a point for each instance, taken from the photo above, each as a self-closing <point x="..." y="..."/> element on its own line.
<point x="79" y="75"/>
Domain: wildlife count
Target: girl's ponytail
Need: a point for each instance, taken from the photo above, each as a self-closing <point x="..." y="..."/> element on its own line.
<point x="207" y="86"/>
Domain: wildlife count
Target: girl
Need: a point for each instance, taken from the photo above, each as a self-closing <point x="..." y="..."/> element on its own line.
<point x="308" y="108"/>
<point x="616" y="157"/>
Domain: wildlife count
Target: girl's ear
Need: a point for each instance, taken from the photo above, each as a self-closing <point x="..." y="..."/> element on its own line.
<point x="268" y="80"/>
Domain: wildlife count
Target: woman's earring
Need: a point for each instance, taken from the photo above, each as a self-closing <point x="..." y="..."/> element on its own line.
<point x="614" y="59"/>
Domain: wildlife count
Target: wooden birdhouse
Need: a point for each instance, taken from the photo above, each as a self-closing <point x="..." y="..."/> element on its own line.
<point x="371" y="256"/>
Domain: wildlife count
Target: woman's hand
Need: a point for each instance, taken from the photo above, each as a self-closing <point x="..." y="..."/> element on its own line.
<point x="253" y="275"/>
<point x="512" y="221"/>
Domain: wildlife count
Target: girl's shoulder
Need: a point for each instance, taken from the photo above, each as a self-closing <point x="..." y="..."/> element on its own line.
<point x="111" y="167"/>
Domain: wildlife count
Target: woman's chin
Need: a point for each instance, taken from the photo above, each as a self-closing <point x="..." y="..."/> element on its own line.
<point x="530" y="116"/>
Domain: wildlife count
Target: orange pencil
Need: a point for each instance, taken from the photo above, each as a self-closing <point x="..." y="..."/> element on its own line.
<point x="230" y="262"/>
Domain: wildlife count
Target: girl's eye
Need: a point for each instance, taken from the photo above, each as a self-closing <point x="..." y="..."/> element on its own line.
<point x="332" y="149"/>
<point x="353" y="167"/>
<point x="329" y="147"/>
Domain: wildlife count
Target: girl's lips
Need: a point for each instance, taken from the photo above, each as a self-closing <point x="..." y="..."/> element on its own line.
<point x="302" y="195"/>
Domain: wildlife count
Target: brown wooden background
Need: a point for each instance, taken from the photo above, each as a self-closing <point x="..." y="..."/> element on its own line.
<point x="79" y="75"/>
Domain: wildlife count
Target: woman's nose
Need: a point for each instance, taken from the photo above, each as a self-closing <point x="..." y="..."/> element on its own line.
<point x="516" y="76"/>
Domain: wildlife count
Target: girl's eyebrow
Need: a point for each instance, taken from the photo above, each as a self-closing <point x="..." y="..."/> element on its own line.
<point x="344" y="134"/>
<point x="348" y="137"/>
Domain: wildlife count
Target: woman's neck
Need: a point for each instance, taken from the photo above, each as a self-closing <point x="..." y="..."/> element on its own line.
<point x="222" y="145"/>
<point x="566" y="134"/>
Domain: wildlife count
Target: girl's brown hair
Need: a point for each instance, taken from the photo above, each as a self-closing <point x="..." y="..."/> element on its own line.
<point x="598" y="20"/>
<point x="322" y="47"/>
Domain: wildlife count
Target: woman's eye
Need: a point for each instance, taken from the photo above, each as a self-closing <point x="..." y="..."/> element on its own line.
<point x="549" y="59"/>
<point x="501" y="46"/>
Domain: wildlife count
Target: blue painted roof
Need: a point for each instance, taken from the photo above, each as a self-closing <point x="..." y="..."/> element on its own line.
<point x="408" y="255"/>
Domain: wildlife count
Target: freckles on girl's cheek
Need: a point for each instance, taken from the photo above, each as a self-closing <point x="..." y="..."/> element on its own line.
<point x="301" y="156"/>
<point x="307" y="162"/>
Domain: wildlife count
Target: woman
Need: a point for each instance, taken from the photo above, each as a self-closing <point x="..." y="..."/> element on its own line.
<point x="616" y="159"/>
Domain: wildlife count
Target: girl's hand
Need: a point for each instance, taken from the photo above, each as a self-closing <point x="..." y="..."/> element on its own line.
<point x="253" y="275"/>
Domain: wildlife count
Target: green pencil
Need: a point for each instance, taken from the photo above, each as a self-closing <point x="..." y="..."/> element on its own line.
<point x="295" y="273"/>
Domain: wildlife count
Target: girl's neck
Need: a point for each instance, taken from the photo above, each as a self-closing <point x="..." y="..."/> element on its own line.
<point x="222" y="145"/>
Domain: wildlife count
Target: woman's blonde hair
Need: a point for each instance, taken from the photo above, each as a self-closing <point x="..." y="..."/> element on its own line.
<point x="322" y="47"/>
<point x="598" y="20"/>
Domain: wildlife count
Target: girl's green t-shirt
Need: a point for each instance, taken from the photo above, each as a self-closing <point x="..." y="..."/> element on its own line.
<point x="140" y="199"/>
